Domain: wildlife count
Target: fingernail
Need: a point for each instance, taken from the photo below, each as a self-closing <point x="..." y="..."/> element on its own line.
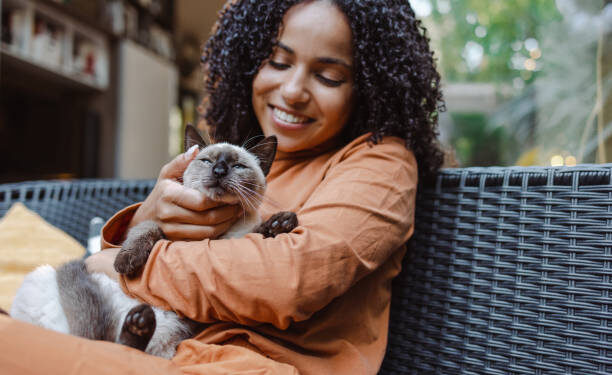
<point x="191" y="150"/>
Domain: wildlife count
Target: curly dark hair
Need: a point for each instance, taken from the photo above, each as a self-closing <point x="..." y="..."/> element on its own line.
<point x="396" y="82"/>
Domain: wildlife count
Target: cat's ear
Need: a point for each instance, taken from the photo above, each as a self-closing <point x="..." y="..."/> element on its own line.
<point x="265" y="150"/>
<point x="193" y="137"/>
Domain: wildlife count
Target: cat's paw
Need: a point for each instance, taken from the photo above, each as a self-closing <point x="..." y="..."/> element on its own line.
<point x="137" y="247"/>
<point x="129" y="261"/>
<point x="282" y="222"/>
<point x="138" y="327"/>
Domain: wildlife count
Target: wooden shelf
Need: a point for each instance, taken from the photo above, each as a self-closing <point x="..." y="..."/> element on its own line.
<point x="24" y="64"/>
<point x="77" y="16"/>
<point x="79" y="54"/>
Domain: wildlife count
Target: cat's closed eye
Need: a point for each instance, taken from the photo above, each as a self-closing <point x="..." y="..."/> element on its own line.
<point x="239" y="166"/>
<point x="206" y="161"/>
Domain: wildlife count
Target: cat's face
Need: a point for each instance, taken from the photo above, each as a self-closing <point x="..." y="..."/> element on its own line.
<point x="228" y="173"/>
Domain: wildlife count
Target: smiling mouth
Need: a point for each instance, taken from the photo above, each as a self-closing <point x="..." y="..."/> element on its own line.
<point x="289" y="118"/>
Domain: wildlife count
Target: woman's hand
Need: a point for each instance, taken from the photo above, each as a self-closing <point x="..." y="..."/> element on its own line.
<point x="103" y="262"/>
<point x="183" y="213"/>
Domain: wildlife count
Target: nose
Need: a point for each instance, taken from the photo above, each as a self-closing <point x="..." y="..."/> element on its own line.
<point x="294" y="90"/>
<point x="220" y="169"/>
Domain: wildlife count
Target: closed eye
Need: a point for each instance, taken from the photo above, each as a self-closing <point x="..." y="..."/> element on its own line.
<point x="277" y="65"/>
<point x="206" y="161"/>
<point x="329" y="82"/>
<point x="239" y="166"/>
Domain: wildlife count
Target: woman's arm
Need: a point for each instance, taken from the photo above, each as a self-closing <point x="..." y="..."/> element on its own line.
<point x="356" y="218"/>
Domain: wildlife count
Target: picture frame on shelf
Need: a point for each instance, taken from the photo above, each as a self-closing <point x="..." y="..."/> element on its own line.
<point x="13" y="28"/>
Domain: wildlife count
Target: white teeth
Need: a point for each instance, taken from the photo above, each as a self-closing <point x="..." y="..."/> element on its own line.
<point x="284" y="116"/>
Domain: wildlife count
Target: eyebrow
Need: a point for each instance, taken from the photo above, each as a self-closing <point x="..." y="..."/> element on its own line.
<point x="324" y="60"/>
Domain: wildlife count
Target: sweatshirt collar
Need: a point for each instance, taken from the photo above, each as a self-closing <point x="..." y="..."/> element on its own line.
<point x="331" y="144"/>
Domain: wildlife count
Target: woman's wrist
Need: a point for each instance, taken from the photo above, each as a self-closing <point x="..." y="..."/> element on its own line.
<point x="138" y="217"/>
<point x="103" y="262"/>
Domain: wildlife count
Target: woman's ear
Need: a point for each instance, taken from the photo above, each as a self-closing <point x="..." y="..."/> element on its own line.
<point x="193" y="137"/>
<point x="265" y="150"/>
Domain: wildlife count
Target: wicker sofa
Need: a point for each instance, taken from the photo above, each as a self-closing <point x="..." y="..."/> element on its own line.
<point x="509" y="270"/>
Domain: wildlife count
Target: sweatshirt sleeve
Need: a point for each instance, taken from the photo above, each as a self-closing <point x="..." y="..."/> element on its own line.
<point x="114" y="230"/>
<point x="360" y="213"/>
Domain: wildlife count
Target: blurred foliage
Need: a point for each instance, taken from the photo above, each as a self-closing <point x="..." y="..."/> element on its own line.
<point x="500" y="27"/>
<point x="552" y="113"/>
<point x="476" y="143"/>
<point x="541" y="55"/>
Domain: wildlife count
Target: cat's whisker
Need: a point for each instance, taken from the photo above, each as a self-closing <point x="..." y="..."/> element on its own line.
<point x="263" y="197"/>
<point x="245" y="199"/>
<point x="253" y="197"/>
<point x="250" y="139"/>
<point x="243" y="203"/>
<point x="244" y="189"/>
<point x="249" y="190"/>
<point x="253" y="205"/>
<point x="253" y="184"/>
<point x="253" y="192"/>
<point x="259" y="145"/>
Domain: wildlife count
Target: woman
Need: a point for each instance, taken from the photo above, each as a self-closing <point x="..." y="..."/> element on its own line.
<point x="351" y="91"/>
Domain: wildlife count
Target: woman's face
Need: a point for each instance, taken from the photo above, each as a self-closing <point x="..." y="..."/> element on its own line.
<point x="303" y="93"/>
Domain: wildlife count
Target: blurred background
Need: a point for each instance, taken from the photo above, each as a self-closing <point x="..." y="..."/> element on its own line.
<point x="103" y="88"/>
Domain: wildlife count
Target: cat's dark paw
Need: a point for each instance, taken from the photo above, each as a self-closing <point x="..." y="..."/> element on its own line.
<point x="138" y="327"/>
<point x="137" y="247"/>
<point x="282" y="222"/>
<point x="129" y="261"/>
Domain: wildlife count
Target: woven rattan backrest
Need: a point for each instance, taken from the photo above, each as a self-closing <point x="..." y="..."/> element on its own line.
<point x="70" y="205"/>
<point x="509" y="272"/>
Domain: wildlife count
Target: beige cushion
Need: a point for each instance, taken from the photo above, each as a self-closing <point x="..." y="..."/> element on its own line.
<point x="26" y="242"/>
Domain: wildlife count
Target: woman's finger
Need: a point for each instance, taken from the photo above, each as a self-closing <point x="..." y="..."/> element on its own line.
<point x="188" y="198"/>
<point x="211" y="216"/>
<point x="176" y="167"/>
<point x="189" y="232"/>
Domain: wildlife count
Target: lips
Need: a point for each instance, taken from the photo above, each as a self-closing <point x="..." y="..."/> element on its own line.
<point x="288" y="117"/>
<point x="285" y="119"/>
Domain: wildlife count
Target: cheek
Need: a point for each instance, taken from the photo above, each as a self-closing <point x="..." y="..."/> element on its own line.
<point x="260" y="93"/>
<point x="247" y="179"/>
<point x="194" y="174"/>
<point x="263" y="82"/>
<point x="337" y="106"/>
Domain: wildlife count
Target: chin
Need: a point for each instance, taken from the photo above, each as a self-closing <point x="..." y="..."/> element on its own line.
<point x="219" y="194"/>
<point x="289" y="149"/>
<point x="289" y="145"/>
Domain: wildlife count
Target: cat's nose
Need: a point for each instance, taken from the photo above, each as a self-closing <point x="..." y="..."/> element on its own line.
<point x="220" y="169"/>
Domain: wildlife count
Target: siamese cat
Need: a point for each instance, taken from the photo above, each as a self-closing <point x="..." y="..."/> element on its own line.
<point x="71" y="300"/>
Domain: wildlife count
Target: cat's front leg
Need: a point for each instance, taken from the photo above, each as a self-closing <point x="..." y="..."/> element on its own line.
<point x="281" y="222"/>
<point x="137" y="247"/>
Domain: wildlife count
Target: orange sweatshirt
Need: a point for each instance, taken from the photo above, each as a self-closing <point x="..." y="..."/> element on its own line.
<point x="315" y="300"/>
